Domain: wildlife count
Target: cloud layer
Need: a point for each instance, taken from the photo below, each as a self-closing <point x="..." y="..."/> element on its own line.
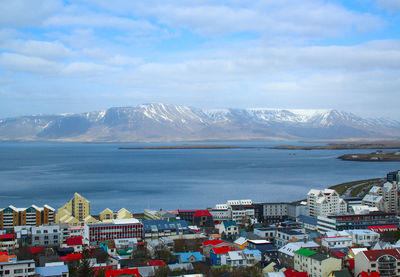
<point x="82" y="55"/>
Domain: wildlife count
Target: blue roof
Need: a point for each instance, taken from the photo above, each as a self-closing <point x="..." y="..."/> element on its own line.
<point x="229" y="223"/>
<point x="254" y="252"/>
<point x="308" y="219"/>
<point x="51" y="270"/>
<point x="185" y="256"/>
<point x="161" y="225"/>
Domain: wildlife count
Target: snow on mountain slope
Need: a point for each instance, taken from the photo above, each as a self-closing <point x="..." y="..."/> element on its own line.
<point x="158" y="122"/>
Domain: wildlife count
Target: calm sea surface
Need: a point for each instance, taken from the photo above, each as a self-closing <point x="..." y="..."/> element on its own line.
<point x="49" y="173"/>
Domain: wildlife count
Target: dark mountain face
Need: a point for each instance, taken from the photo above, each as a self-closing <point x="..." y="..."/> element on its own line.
<point x="161" y="122"/>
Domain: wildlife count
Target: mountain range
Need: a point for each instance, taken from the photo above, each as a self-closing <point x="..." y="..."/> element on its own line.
<point x="167" y="122"/>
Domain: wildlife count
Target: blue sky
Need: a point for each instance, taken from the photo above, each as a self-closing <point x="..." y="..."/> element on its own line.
<point x="76" y="56"/>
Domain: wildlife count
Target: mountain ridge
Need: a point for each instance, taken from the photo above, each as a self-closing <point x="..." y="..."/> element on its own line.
<point x="168" y="122"/>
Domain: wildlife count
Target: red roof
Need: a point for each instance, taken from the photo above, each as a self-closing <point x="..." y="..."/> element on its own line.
<point x="70" y="257"/>
<point x="35" y="250"/>
<point x="383" y="228"/>
<point x="338" y="254"/>
<point x="74" y="240"/>
<point x="3" y="253"/>
<point x="290" y="273"/>
<point x="222" y="250"/>
<point x="157" y="263"/>
<point x="117" y="272"/>
<point x="213" y="242"/>
<point x="7" y="236"/>
<point x="373" y="255"/>
<point x="371" y="274"/>
<point x="202" y="213"/>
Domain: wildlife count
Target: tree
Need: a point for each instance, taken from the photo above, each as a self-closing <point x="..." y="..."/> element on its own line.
<point x="84" y="269"/>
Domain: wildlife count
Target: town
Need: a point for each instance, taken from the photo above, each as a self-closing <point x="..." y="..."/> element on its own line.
<point x="327" y="234"/>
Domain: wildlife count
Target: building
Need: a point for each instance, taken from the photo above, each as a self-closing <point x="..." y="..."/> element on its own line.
<point x="203" y="218"/>
<point x="76" y="212"/>
<point x="267" y="233"/>
<point x="336" y="242"/>
<point x="229" y="228"/>
<point x="46" y="235"/>
<point x="117" y="229"/>
<point x="271" y="212"/>
<point x="315" y="264"/>
<point x="8" y="242"/>
<point x="155" y="229"/>
<point x="52" y="269"/>
<point x="241" y="211"/>
<point x="241" y="243"/>
<point x="286" y="253"/>
<point x="385" y="262"/>
<point x="363" y="237"/>
<point x="352" y="221"/>
<point x="234" y="259"/>
<point x="23" y="268"/>
<point x="393" y="177"/>
<point x="325" y="202"/>
<point x="31" y="216"/>
<point x="216" y="254"/>
<point x="384" y="197"/>
<point x="107" y="215"/>
<point x="286" y="235"/>
<point x="210" y="244"/>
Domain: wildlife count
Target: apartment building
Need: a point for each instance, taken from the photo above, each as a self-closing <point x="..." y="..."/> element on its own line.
<point x="325" y="202"/>
<point x="383" y="197"/>
<point x="76" y="212"/>
<point x="315" y="264"/>
<point x="31" y="216"/>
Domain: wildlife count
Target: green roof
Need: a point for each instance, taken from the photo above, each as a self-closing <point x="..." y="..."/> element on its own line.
<point x="305" y="252"/>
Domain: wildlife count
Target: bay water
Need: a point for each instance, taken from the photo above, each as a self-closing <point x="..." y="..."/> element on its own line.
<point x="49" y="173"/>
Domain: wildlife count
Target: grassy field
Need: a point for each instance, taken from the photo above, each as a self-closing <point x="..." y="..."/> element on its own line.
<point x="341" y="188"/>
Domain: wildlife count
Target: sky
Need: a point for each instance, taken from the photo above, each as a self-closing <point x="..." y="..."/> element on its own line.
<point x="76" y="56"/>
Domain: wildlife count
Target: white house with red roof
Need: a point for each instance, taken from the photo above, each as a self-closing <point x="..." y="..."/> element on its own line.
<point x="386" y="262"/>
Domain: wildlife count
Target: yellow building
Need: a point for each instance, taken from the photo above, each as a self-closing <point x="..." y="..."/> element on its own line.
<point x="108" y="215"/>
<point x="76" y="211"/>
<point x="241" y="243"/>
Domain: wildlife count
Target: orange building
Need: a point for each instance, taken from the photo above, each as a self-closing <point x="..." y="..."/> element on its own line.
<point x="31" y="216"/>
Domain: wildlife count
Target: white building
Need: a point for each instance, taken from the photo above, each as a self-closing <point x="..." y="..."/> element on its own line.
<point x="336" y="242"/>
<point x="241" y="211"/>
<point x="234" y="258"/>
<point x="363" y="237"/>
<point x="315" y="264"/>
<point x="19" y="268"/>
<point x="386" y="262"/>
<point x="325" y="202"/>
<point x="383" y="197"/>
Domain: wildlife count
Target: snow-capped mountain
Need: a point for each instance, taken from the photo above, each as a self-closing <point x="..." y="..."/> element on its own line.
<point x="165" y="122"/>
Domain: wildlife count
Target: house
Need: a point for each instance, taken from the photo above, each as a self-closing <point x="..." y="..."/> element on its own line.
<point x="76" y="243"/>
<point x="314" y="263"/>
<point x="210" y="244"/>
<point x="252" y="256"/>
<point x="52" y="270"/>
<point x="386" y="262"/>
<point x="336" y="242"/>
<point x="5" y="258"/>
<point x="234" y="259"/>
<point x="203" y="218"/>
<point x="364" y="237"/>
<point x="24" y="268"/>
<point x="264" y="246"/>
<point x="8" y="242"/>
<point x="290" y="273"/>
<point x="229" y="228"/>
<point x="241" y="243"/>
<point x="286" y="235"/>
<point x="190" y="257"/>
<point x="217" y="252"/>
<point x="286" y="252"/>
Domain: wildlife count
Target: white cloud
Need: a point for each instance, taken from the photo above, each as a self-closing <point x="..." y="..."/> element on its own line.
<point x="53" y="50"/>
<point x="21" y="63"/>
<point x="86" y="69"/>
<point x="26" y="13"/>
